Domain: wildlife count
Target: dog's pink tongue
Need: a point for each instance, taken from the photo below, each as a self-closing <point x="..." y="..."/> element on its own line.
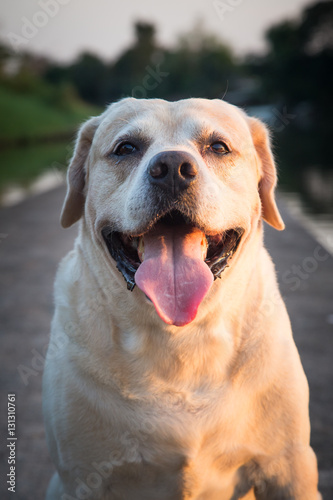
<point x="173" y="274"/>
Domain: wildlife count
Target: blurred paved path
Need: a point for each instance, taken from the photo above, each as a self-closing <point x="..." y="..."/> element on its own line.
<point x="31" y="245"/>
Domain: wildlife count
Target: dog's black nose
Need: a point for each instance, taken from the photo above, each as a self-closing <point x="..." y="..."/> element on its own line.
<point x="173" y="171"/>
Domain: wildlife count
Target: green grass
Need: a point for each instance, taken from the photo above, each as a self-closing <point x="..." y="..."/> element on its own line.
<point x="20" y="166"/>
<point x="29" y="117"/>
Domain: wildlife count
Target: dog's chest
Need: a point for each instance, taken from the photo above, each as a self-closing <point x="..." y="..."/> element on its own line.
<point x="176" y="445"/>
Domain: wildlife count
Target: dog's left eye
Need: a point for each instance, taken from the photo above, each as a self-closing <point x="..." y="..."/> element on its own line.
<point x="124" y="149"/>
<point x="219" y="147"/>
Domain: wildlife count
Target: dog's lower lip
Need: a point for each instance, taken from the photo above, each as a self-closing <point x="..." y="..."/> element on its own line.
<point x="128" y="257"/>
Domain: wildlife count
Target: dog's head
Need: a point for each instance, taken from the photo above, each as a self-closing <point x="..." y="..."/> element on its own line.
<point x="169" y="190"/>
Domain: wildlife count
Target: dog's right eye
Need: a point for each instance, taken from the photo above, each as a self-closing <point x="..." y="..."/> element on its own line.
<point x="124" y="149"/>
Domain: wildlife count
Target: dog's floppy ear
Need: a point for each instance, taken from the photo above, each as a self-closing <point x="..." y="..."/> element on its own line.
<point x="73" y="206"/>
<point x="268" y="177"/>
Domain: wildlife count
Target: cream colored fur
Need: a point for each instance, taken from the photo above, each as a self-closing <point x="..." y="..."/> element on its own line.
<point x="136" y="409"/>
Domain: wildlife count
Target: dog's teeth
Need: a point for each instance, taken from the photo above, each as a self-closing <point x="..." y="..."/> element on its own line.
<point x="141" y="249"/>
<point x="204" y="247"/>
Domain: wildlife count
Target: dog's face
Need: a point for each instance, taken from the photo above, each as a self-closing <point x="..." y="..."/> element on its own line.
<point x="170" y="190"/>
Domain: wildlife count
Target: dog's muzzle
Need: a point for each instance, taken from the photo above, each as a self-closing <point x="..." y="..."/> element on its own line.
<point x="172" y="261"/>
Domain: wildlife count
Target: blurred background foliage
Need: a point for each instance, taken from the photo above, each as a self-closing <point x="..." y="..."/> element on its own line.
<point x="290" y="87"/>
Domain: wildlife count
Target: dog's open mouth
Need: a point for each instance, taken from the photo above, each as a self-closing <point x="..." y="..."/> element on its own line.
<point x="174" y="263"/>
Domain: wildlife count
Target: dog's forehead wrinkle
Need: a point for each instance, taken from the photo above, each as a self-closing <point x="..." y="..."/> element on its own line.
<point x="156" y="121"/>
<point x="133" y="131"/>
<point x="209" y="116"/>
<point x="139" y="127"/>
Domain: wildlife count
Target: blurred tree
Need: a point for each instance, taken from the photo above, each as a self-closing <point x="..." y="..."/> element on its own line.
<point x="89" y="75"/>
<point x="56" y="74"/>
<point x="296" y="55"/>
<point x="4" y="56"/>
<point x="200" y="66"/>
<point x="129" y="70"/>
<point x="297" y="73"/>
<point x="316" y="30"/>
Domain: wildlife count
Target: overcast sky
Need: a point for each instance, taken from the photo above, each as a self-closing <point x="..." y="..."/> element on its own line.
<point x="64" y="28"/>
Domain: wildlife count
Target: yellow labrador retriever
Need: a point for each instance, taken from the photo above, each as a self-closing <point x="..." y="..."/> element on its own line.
<point x="172" y="372"/>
